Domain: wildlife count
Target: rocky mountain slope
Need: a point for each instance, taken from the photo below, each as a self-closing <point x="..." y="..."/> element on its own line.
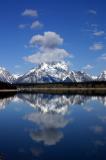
<point x="49" y="73"/>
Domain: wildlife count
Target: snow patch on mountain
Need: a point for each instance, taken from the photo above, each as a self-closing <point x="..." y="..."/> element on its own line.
<point x="46" y="72"/>
<point x="102" y="76"/>
<point x="53" y="72"/>
<point x="5" y="76"/>
<point x="49" y="73"/>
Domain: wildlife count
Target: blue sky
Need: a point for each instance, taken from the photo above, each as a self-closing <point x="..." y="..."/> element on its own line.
<point x="70" y="30"/>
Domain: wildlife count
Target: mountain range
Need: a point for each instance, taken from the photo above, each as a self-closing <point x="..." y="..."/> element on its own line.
<point x="49" y="73"/>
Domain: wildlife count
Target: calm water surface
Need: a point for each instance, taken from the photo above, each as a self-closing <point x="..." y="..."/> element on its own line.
<point x="48" y="127"/>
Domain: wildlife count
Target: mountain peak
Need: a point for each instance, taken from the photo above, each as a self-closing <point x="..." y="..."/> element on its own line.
<point x="104" y="72"/>
<point x="56" y="65"/>
<point x="5" y="76"/>
<point x="102" y="76"/>
<point x="2" y="69"/>
<point x="49" y="73"/>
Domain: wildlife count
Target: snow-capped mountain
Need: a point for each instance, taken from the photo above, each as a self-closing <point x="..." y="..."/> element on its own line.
<point x="53" y="72"/>
<point x="102" y="76"/>
<point x="46" y="72"/>
<point x="49" y="73"/>
<point x="5" y="76"/>
<point x="81" y="76"/>
<point x="16" y="76"/>
<point x="56" y="103"/>
<point x="94" y="78"/>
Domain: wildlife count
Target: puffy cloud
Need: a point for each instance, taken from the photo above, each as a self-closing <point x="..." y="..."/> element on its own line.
<point x="48" y="40"/>
<point x="48" y="125"/>
<point x="48" y="120"/>
<point x="92" y="11"/>
<point x="47" y="136"/>
<point x="96" y="47"/>
<point x="88" y="67"/>
<point x="30" y="13"/>
<point x="48" y="48"/>
<point x="36" y="24"/>
<point x="47" y="55"/>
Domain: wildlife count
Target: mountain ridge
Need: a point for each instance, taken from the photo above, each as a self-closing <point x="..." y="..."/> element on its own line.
<point x="49" y="73"/>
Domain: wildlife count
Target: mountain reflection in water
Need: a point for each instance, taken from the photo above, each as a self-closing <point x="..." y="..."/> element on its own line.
<point x="53" y="126"/>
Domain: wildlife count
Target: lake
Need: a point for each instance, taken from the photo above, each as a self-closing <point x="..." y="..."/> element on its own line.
<point x="50" y="127"/>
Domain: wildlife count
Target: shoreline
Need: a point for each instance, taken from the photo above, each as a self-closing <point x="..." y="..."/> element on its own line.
<point x="48" y="88"/>
<point x="75" y="91"/>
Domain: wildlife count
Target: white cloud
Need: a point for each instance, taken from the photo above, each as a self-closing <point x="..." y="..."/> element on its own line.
<point x="94" y="30"/>
<point x="30" y="13"/>
<point x="47" y="120"/>
<point x="103" y="57"/>
<point x="96" y="47"/>
<point x="36" y="24"/>
<point x="88" y="67"/>
<point x="98" y="33"/>
<point x="92" y="11"/>
<point x="47" y="136"/>
<point x="47" y="55"/>
<point x="48" y="48"/>
<point x="48" y="40"/>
